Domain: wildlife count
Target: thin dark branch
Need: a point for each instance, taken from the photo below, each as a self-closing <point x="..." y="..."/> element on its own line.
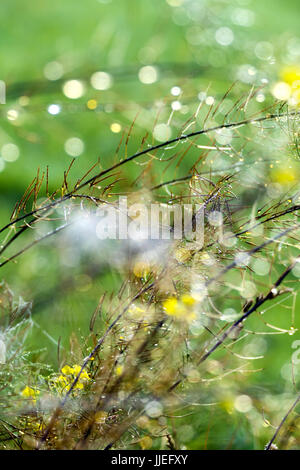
<point x="269" y="445"/>
<point x="273" y="292"/>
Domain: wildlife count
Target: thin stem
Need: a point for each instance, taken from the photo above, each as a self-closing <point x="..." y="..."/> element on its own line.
<point x="269" y="445"/>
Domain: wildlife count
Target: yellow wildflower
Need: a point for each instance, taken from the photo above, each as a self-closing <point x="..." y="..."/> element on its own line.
<point x="78" y="386"/>
<point x="182" y="308"/>
<point x="285" y="174"/>
<point x="62" y="380"/>
<point x="288" y="88"/>
<point x="92" y="104"/>
<point x="84" y="376"/>
<point x="31" y="393"/>
<point x="119" y="370"/>
<point x="188" y="299"/>
<point x="170" y="305"/>
<point x="67" y="370"/>
<point x="76" y="369"/>
<point x="290" y="74"/>
<point x="68" y="374"/>
<point x="227" y="405"/>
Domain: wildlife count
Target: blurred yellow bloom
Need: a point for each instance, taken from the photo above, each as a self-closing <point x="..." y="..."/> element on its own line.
<point x="119" y="370"/>
<point x="84" y="376"/>
<point x="290" y="74"/>
<point x="288" y="88"/>
<point x="170" y="305"/>
<point x="188" y="299"/>
<point x="68" y="374"/>
<point x="78" y="386"/>
<point x="31" y="393"/>
<point x="284" y="174"/>
<point x="61" y="380"/>
<point x="92" y="104"/>
<point x="227" y="405"/>
<point x="67" y="370"/>
<point x="182" y="308"/>
<point x="76" y="369"/>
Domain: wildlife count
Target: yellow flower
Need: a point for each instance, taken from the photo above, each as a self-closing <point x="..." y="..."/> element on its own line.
<point x="290" y="74"/>
<point x="31" y="393"/>
<point x="67" y="370"/>
<point x="227" y="405"/>
<point x="68" y="374"/>
<point x="92" y="104"/>
<point x="170" y="305"/>
<point x="60" y="383"/>
<point x="288" y="89"/>
<point x="79" y="385"/>
<point x="76" y="369"/>
<point x="84" y="376"/>
<point x="181" y="309"/>
<point x="285" y="174"/>
<point x="188" y="299"/>
<point x="62" y="380"/>
<point x="119" y="370"/>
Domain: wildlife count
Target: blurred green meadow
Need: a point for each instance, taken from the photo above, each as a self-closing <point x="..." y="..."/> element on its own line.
<point x="155" y="60"/>
<point x="119" y="37"/>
